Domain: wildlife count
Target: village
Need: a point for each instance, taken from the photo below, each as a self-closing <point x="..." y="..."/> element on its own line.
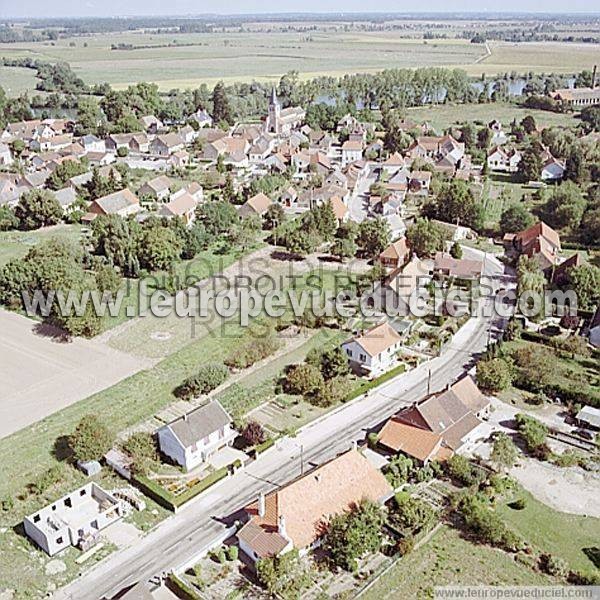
<point x="391" y="428"/>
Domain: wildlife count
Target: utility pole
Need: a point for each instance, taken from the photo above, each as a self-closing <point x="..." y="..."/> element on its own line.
<point x="429" y="382"/>
<point x="301" y="459"/>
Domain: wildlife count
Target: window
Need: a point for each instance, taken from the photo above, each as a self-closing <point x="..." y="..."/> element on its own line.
<point x="59" y="540"/>
<point x="82" y="492"/>
<point x="36" y="518"/>
<point x="363" y="357"/>
<point x="54" y="507"/>
<point x="68" y="502"/>
<point x="348" y="352"/>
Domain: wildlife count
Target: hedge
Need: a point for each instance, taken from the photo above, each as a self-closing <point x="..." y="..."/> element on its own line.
<point x="365" y="386"/>
<point x="540" y="338"/>
<point x="260" y="448"/>
<point x="171" y="501"/>
<point x="180" y="588"/>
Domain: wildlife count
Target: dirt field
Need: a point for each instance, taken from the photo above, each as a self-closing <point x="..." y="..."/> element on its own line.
<point x="40" y="375"/>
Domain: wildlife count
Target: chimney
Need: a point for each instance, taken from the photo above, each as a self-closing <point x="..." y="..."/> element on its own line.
<point x="185" y="417"/>
<point x="594" y="76"/>
<point x="354" y="445"/>
<point x="261" y="504"/>
<point x="281" y="527"/>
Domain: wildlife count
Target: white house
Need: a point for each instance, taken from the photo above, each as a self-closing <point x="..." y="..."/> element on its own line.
<point x="5" y="155"/>
<point x="202" y="118"/>
<point x="374" y="351"/>
<point x="74" y="520"/>
<point x="192" y="438"/>
<point x="553" y="170"/>
<point x="352" y="150"/>
<point x="506" y="160"/>
<point x="91" y="143"/>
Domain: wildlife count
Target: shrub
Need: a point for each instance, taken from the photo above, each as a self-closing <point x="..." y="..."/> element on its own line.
<point x="518" y="504"/>
<point x="331" y="392"/>
<point x="141" y="446"/>
<point x="47" y="479"/>
<point x="532" y="431"/>
<point x="208" y="377"/>
<point x="372" y="440"/>
<point x="232" y="553"/>
<point x="90" y="440"/>
<point x="405" y="545"/>
<point x="493" y="375"/>
<point x="461" y="469"/>
<point x="304" y="379"/>
<point x="553" y="565"/>
<point x="254" y="433"/>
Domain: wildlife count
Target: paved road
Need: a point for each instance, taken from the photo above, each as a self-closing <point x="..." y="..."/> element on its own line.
<point x="177" y="539"/>
<point x="359" y="200"/>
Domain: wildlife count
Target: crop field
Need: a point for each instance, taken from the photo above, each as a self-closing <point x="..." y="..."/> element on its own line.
<point x="186" y="60"/>
<point x="15" y="80"/>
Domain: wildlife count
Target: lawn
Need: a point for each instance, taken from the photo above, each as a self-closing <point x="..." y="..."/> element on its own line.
<point x="16" y="80"/>
<point x="560" y="534"/>
<point x="443" y="116"/>
<point x="16" y="244"/>
<point x="448" y="559"/>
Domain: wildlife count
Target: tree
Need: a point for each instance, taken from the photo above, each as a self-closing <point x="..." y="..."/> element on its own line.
<point x="218" y="217"/>
<point x="207" y="378"/>
<point x="343" y="248"/>
<point x="254" y="433"/>
<point x="425" y="238"/>
<point x="493" y="375"/>
<point x="353" y="534"/>
<point x="158" y="247"/>
<point x="565" y="206"/>
<point x="532" y="431"/>
<point x="274" y="216"/>
<point x="504" y="451"/>
<point x="455" y="202"/>
<point x="515" y="218"/>
<point x="107" y="279"/>
<point x="585" y="281"/>
<point x="590" y="226"/>
<point x="221" y="108"/>
<point x="90" y="440"/>
<point x="461" y="469"/>
<point x="301" y="242"/>
<point x="398" y="470"/>
<point x="8" y="219"/>
<point x="528" y="124"/>
<point x="530" y="277"/>
<point x="456" y="251"/>
<point x="117" y="239"/>
<point x="325" y="221"/>
<point x="410" y="515"/>
<point x="63" y="172"/>
<point x="373" y="236"/>
<point x="304" y="379"/>
<point x="38" y="208"/>
<point x="284" y="576"/>
<point x="332" y="391"/>
<point x="530" y="165"/>
<point x="334" y="362"/>
<point x="141" y="447"/>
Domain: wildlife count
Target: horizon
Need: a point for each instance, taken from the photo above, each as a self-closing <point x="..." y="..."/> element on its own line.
<point x="110" y="9"/>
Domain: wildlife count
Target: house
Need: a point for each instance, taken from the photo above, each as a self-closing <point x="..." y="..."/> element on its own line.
<point x="91" y="143"/>
<point x="167" y="144"/>
<point x="560" y="273"/>
<point x="202" y="118"/>
<point x="260" y="149"/>
<point x="395" y="255"/>
<point x="157" y="188"/>
<point x="74" y="520"/>
<point x="394" y="163"/>
<point x="503" y="159"/>
<point x="188" y="134"/>
<point x="5" y="155"/>
<point x="233" y="149"/>
<point x="118" y="140"/>
<point x="283" y="121"/>
<point x="180" y="205"/>
<point x="151" y="124"/>
<point x="539" y="241"/>
<point x="352" y="151"/>
<point x="578" y="97"/>
<point x="66" y="197"/>
<point x="340" y="210"/>
<point x="553" y="169"/>
<point x="293" y="516"/>
<point x="139" y="143"/>
<point x="446" y="265"/>
<point x="123" y="203"/>
<point x="179" y="159"/>
<point x="439" y="425"/>
<point x="257" y="205"/>
<point x="594" y="331"/>
<point x="498" y="136"/>
<point x="292" y="202"/>
<point x="589" y="417"/>
<point x="419" y="182"/>
<point x="191" y="439"/>
<point x="374" y="350"/>
<point x="56" y="142"/>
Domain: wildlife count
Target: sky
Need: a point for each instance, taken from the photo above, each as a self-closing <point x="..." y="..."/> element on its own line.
<point x="112" y="8"/>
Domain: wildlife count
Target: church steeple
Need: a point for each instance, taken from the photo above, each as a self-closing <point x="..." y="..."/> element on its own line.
<point x="274" y="99"/>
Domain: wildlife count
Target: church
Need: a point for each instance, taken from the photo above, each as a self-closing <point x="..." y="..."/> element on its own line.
<point x="283" y="121"/>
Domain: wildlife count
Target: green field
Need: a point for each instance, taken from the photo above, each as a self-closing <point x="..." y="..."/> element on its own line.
<point x="16" y="244"/>
<point x="443" y="116"/>
<point x="240" y="56"/>
<point x="448" y="559"/>
<point x="16" y="80"/>
<point x="557" y="533"/>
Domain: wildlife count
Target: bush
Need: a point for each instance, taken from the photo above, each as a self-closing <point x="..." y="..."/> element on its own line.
<point x="331" y="392"/>
<point x="493" y="375"/>
<point x="461" y="469"/>
<point x="254" y="433"/>
<point x="304" y="379"/>
<point x="532" y="431"/>
<point x="47" y="479"/>
<point x="372" y="440"/>
<point x="405" y="545"/>
<point x="553" y="565"/>
<point x="141" y="446"/>
<point x="519" y="504"/>
<point x="232" y="553"/>
<point x="208" y="377"/>
<point x="90" y="440"/>
<point x="122" y="151"/>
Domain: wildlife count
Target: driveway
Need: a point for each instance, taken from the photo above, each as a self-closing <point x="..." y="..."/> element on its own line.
<point x="39" y="375"/>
